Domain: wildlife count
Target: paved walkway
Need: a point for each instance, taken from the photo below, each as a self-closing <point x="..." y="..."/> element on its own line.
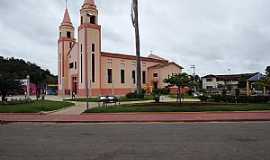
<point x="139" y="117"/>
<point x="80" y="107"/>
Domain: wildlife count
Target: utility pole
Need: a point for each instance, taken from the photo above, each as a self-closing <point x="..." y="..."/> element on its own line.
<point x="193" y="67"/>
<point x="135" y="22"/>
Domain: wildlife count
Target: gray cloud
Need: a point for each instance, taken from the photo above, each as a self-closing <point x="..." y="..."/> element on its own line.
<point x="215" y="35"/>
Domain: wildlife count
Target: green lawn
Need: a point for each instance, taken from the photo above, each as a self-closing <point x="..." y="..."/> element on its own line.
<point x="175" y="107"/>
<point x="122" y="99"/>
<point x="35" y="107"/>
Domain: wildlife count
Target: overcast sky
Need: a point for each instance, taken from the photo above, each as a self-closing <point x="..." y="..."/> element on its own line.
<point x="218" y="36"/>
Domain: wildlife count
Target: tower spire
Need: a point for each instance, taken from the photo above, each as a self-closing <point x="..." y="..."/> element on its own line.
<point x="66" y="20"/>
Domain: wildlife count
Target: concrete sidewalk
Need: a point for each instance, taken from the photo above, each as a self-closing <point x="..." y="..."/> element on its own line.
<point x="138" y="117"/>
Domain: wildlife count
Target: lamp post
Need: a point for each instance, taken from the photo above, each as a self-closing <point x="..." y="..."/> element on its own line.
<point x="28" y="87"/>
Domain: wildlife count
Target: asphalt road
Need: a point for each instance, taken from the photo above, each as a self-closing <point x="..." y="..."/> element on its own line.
<point x="183" y="141"/>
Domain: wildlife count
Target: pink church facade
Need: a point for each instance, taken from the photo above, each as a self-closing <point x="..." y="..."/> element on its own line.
<point x="84" y="69"/>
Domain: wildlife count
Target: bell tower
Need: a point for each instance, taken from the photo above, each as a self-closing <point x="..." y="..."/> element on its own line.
<point x="89" y="41"/>
<point x="65" y="42"/>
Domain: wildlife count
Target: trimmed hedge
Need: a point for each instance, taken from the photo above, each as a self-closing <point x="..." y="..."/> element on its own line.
<point x="239" y="99"/>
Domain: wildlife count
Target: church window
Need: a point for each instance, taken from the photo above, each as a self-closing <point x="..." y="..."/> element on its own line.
<point x="134" y="76"/>
<point x="93" y="68"/>
<point x="93" y="47"/>
<point x="81" y="68"/>
<point x="81" y="48"/>
<point x="122" y="76"/>
<point x="68" y="35"/>
<point x="81" y="19"/>
<point x="109" y="76"/>
<point x="144" y="77"/>
<point x="71" y="65"/>
<point x="155" y="75"/>
<point x="93" y="20"/>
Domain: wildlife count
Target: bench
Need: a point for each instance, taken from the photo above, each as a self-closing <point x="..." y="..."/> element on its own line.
<point x="105" y="100"/>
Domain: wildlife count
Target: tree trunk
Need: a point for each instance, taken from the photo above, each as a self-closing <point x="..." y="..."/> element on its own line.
<point x="179" y="98"/>
<point x="138" y="51"/>
<point x="3" y="98"/>
<point x="4" y="95"/>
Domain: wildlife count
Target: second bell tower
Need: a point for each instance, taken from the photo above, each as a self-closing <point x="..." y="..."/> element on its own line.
<point x="89" y="41"/>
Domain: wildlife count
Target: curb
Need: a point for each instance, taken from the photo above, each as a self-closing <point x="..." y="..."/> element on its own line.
<point x="2" y="122"/>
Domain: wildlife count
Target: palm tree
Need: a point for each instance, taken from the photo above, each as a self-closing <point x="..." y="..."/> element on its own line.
<point x="135" y="21"/>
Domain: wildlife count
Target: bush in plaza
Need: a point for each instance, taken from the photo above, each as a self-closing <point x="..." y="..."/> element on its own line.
<point x="132" y="95"/>
<point x="203" y="98"/>
<point x="240" y="99"/>
<point x="17" y="101"/>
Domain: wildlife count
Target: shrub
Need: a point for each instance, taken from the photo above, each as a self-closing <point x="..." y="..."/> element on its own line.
<point x="130" y="95"/>
<point x="135" y="95"/>
<point x="203" y="98"/>
<point x="17" y="101"/>
<point x="240" y="99"/>
<point x="165" y="91"/>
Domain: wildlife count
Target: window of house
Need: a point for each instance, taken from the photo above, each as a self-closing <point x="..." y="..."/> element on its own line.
<point x="68" y="35"/>
<point x="209" y="80"/>
<point x="109" y="75"/>
<point x="93" y="68"/>
<point x="155" y="75"/>
<point x="144" y="77"/>
<point x="93" y="20"/>
<point x="122" y="76"/>
<point x="71" y="65"/>
<point x="93" y="47"/>
<point x="209" y="87"/>
<point x="134" y="76"/>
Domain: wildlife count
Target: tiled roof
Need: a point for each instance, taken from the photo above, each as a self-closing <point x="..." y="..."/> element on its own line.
<point x="131" y="57"/>
<point x="232" y="77"/>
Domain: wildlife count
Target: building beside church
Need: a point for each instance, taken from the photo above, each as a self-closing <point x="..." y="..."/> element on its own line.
<point x="83" y="67"/>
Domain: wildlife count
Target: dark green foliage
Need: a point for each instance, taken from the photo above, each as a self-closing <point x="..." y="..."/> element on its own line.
<point x="267" y="71"/>
<point x="242" y="82"/>
<point x="20" y="69"/>
<point x="180" y="80"/>
<point x="135" y="95"/>
<point x="12" y="70"/>
<point x="35" y="107"/>
<point x="240" y="99"/>
<point x="9" y="86"/>
<point x="17" y="102"/>
<point x="176" y="107"/>
<point x="203" y="98"/>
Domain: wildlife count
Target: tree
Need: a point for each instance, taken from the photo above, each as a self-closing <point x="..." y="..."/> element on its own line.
<point x="267" y="70"/>
<point x="180" y="80"/>
<point x="135" y="22"/>
<point x="8" y="85"/>
<point x="13" y="69"/>
<point x="242" y="82"/>
<point x="264" y="83"/>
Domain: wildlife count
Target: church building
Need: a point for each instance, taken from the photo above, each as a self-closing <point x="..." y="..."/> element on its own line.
<point x="85" y="70"/>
